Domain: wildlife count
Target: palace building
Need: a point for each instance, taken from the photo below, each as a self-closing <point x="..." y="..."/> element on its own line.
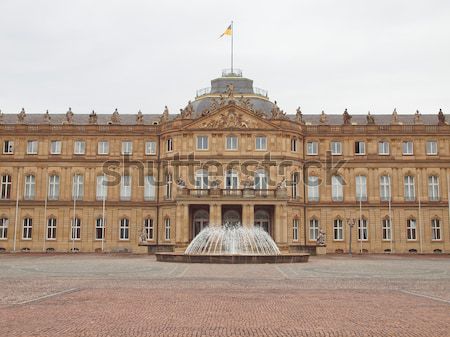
<point x="144" y="183"/>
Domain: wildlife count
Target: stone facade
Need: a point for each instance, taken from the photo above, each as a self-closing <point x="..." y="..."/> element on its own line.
<point x="229" y="156"/>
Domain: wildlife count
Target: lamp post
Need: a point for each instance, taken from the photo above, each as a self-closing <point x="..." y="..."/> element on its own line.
<point x="351" y="223"/>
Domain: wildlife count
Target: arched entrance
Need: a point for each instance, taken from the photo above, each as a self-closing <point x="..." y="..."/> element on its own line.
<point x="262" y="219"/>
<point x="231" y="217"/>
<point x="200" y="221"/>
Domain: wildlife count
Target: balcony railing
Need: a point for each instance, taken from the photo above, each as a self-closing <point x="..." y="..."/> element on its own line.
<point x="232" y="193"/>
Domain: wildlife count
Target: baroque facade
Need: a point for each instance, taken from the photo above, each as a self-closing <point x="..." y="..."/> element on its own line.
<point x="122" y="182"/>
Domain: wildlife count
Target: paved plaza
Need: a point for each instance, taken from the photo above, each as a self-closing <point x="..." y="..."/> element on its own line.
<point x="129" y="295"/>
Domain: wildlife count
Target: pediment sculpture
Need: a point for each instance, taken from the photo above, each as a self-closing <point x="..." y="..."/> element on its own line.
<point x="228" y="119"/>
<point x="277" y="113"/>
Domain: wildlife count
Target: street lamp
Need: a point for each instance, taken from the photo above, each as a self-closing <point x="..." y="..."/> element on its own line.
<point x="351" y="223"/>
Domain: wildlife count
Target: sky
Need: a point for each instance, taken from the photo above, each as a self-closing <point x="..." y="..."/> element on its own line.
<point x="142" y="55"/>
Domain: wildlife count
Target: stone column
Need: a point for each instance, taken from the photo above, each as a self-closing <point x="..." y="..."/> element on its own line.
<point x="185" y="223"/>
<point x="179" y="220"/>
<point x="277" y="224"/>
<point x="251" y="215"/>
<point x="218" y="221"/>
<point x="245" y="216"/>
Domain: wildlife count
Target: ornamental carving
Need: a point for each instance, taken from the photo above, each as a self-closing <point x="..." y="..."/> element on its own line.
<point x="187" y="112"/>
<point x="277" y="113"/>
<point x="229" y="119"/>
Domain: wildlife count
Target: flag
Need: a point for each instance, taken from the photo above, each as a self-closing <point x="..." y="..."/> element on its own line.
<point x="228" y="31"/>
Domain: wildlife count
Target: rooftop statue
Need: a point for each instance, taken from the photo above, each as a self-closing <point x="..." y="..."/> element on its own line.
<point x="115" y="118"/>
<point x="21" y="116"/>
<point x="394" y="119"/>
<point x="323" y="118"/>
<point x="139" y="117"/>
<point x="187" y="111"/>
<point x="347" y="118"/>
<point x="165" y="115"/>
<point x="299" y="115"/>
<point x="370" y="119"/>
<point x="441" y="117"/>
<point x="69" y="116"/>
<point x="417" y="118"/>
<point x="47" y="117"/>
<point x="93" y="117"/>
<point x="277" y="113"/>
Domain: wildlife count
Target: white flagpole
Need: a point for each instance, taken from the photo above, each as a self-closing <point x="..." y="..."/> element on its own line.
<point x="420" y="213"/>
<point x="360" y="217"/>
<point x="448" y="198"/>
<point x="17" y="210"/>
<point x="232" y="34"/>
<point x="45" y="213"/>
<point x="103" y="221"/>
<point x="391" y="223"/>
<point x="73" y="229"/>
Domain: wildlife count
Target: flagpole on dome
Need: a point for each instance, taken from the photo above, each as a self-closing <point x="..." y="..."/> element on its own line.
<point x="232" y="33"/>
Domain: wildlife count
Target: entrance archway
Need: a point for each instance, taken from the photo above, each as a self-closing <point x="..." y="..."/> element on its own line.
<point x="262" y="219"/>
<point x="200" y="221"/>
<point x="231" y="217"/>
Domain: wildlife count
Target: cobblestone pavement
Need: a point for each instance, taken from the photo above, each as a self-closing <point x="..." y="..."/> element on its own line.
<point x="128" y="295"/>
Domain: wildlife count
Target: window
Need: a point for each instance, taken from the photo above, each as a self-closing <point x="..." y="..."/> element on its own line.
<point x="202" y="142"/>
<point x="361" y="188"/>
<point x="231" y="143"/>
<point x="127" y="148"/>
<point x="51" y="229"/>
<point x="5" y="187"/>
<point x="313" y="229"/>
<point x="77" y="187"/>
<point x="29" y="187"/>
<point x="408" y="148"/>
<point x="294" y="185"/>
<point x="231" y="180"/>
<point x="261" y="180"/>
<point x="201" y="179"/>
<point x="337" y="193"/>
<point x="436" y="230"/>
<point x="8" y="147"/>
<point x="167" y="228"/>
<point x="432" y="148"/>
<point x="55" y="147"/>
<point x="387" y="229"/>
<point x="411" y="227"/>
<point x="312" y="148"/>
<point x="410" y="193"/>
<point x="261" y="143"/>
<point x="124" y="229"/>
<point x="168" y="186"/>
<point x="360" y="148"/>
<point x="148" y="227"/>
<point x="4" y="222"/>
<point x="336" y="148"/>
<point x="79" y="147"/>
<point x="103" y="147"/>
<point x="149" y="188"/>
<point x="102" y="187"/>
<point x="150" y="147"/>
<point x="313" y="188"/>
<point x="295" y="230"/>
<point x="99" y="229"/>
<point x="383" y="148"/>
<point x="27" y="228"/>
<point x="53" y="187"/>
<point x="169" y="144"/>
<point x="338" y="230"/>
<point x="125" y="188"/>
<point x="76" y="229"/>
<point x="385" y="188"/>
<point x="32" y="147"/>
<point x="433" y="188"/>
<point x="362" y="230"/>
<point x="294" y="144"/>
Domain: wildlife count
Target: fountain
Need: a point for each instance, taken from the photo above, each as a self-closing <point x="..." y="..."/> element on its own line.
<point x="232" y="243"/>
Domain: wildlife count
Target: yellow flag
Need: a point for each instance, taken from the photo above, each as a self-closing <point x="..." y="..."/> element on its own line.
<point x="228" y="31"/>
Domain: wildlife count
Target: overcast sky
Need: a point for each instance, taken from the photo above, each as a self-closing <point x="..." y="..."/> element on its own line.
<point x="141" y="54"/>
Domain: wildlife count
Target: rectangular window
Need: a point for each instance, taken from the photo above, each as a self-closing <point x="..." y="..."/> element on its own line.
<point x="103" y="147"/>
<point x="168" y="186"/>
<point x="169" y="145"/>
<point x="411" y="227"/>
<point x="167" y="228"/>
<point x="432" y="148"/>
<point x="383" y="148"/>
<point x="149" y="188"/>
<point x="148" y="226"/>
<point x="32" y="147"/>
<point x="53" y="187"/>
<point x="385" y="188"/>
<point x="127" y="148"/>
<point x="433" y="188"/>
<point x="337" y="193"/>
<point x="4" y="222"/>
<point x="360" y="148"/>
<point x="435" y="230"/>
<point x="313" y="188"/>
<point x="77" y="187"/>
<point x="102" y="187"/>
<point x="75" y="233"/>
<point x="312" y="148"/>
<point x="410" y="192"/>
<point x="338" y="230"/>
<point x="79" y="147"/>
<point x="124" y="229"/>
<point x="51" y="229"/>
<point x="232" y="143"/>
<point x="27" y="229"/>
<point x="201" y="179"/>
<point x="361" y="188"/>
<point x="6" y="186"/>
<point x="387" y="229"/>
<point x="313" y="229"/>
<point x="8" y="147"/>
<point x="261" y="143"/>
<point x="125" y="188"/>
<point x="231" y="180"/>
<point x="408" y="148"/>
<point x="150" y="148"/>
<point x="295" y="230"/>
<point x="202" y="142"/>
<point x="336" y="148"/>
<point x="29" y="187"/>
<point x="362" y="230"/>
<point x="294" y="185"/>
<point x="55" y="147"/>
<point x="294" y="144"/>
<point x="99" y="229"/>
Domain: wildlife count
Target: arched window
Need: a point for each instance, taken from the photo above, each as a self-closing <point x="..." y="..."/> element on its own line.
<point x="201" y="179"/>
<point x="148" y="227"/>
<point x="411" y="229"/>
<point x="338" y="230"/>
<point x="436" y="229"/>
<point x="433" y="188"/>
<point x="4" y="222"/>
<point x="99" y="229"/>
<point x="51" y="228"/>
<point x="313" y="229"/>
<point x="76" y="229"/>
<point x="262" y="219"/>
<point x="124" y="229"/>
<point x="27" y="228"/>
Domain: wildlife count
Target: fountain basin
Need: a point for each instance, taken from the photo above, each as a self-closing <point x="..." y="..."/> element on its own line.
<point x="232" y="259"/>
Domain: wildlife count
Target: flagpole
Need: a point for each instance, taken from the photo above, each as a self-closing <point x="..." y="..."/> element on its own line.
<point x="45" y="212"/>
<point x="391" y="224"/>
<point x="232" y="33"/>
<point x="420" y="212"/>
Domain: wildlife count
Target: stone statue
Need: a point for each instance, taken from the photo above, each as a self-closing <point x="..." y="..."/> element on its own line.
<point x="69" y="116"/>
<point x="215" y="183"/>
<point x="248" y="182"/>
<point x="299" y="116"/>
<point x="21" y="116"/>
<point x="370" y="119"/>
<point x="181" y="183"/>
<point x="441" y="117"/>
<point x="282" y="184"/>
<point x="394" y="119"/>
<point x="417" y="117"/>
<point x="115" y="118"/>
<point x="321" y="238"/>
<point x="230" y="90"/>
<point x="93" y="117"/>
<point x="165" y="115"/>
<point x="323" y="118"/>
<point x="245" y="103"/>
<point x="47" y="117"/>
<point x="140" y="117"/>
<point x="186" y="113"/>
<point x="143" y="236"/>
<point x="347" y="118"/>
<point x="1" y="116"/>
<point x="277" y="113"/>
